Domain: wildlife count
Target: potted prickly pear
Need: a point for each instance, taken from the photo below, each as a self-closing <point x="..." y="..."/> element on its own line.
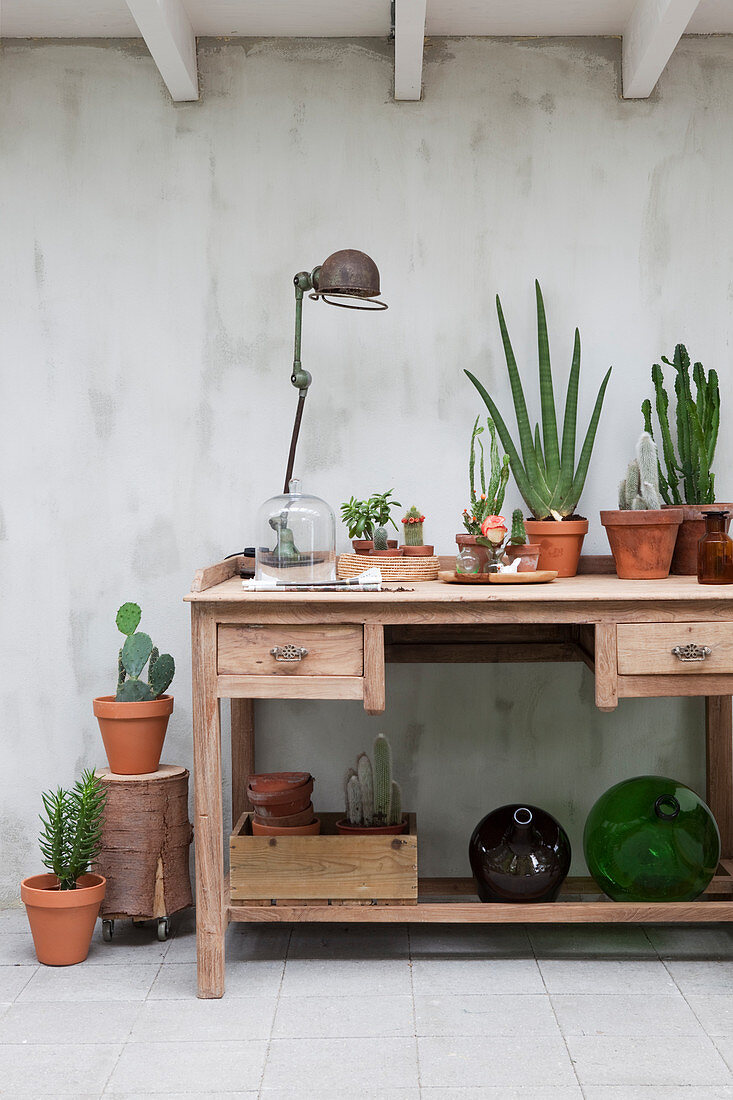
<point x="133" y="722"/>
<point x="413" y="546"/>
<point x="642" y="534"/>
<point x="373" y="799"/>
<point x="518" y="547"/>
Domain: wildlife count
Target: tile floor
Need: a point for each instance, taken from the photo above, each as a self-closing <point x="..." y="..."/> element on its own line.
<point x="390" y="1013"/>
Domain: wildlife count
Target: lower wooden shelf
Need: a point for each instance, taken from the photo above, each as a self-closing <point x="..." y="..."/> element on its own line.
<point x="579" y="903"/>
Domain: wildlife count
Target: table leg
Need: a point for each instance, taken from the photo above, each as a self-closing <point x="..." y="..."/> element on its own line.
<point x="719" y="730"/>
<point x="243" y="754"/>
<point x="209" y="838"/>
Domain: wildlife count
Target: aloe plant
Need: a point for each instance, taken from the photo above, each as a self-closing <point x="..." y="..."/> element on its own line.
<point x="546" y="473"/>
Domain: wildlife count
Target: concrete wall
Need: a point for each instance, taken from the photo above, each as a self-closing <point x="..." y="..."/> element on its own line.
<point x="145" y="323"/>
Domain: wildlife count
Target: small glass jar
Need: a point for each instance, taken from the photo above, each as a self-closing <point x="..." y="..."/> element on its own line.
<point x="468" y="561"/>
<point x="715" y="551"/>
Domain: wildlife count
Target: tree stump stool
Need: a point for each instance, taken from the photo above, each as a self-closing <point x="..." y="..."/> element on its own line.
<point x="145" y="840"/>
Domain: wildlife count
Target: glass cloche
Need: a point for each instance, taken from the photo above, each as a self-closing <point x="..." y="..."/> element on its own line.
<point x="296" y="539"/>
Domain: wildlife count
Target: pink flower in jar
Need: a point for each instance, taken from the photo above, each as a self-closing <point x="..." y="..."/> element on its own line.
<point x="494" y="529"/>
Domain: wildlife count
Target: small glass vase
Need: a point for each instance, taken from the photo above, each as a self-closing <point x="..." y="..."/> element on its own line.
<point x="468" y="561"/>
<point x="715" y="551"/>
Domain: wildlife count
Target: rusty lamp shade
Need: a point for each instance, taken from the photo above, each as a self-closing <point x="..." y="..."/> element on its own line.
<point x="352" y="277"/>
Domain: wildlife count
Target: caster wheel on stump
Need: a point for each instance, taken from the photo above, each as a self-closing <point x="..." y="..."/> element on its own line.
<point x="108" y="930"/>
<point x="164" y="929"/>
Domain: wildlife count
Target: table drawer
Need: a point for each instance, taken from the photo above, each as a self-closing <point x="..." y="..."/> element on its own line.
<point x="301" y="650"/>
<point x="647" y="648"/>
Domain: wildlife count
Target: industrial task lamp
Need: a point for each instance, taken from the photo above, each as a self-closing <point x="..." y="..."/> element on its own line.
<point x="349" y="279"/>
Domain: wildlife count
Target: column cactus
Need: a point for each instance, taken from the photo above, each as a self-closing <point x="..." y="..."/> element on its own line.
<point x="413" y="522"/>
<point x="518" y="536"/>
<point x="640" y="488"/>
<point x="373" y="799"/>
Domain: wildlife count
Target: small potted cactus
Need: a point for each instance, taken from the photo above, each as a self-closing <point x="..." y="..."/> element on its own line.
<point x="413" y="546"/>
<point x="381" y="508"/>
<point x="133" y="722"/>
<point x="373" y="799"/>
<point x="486" y="499"/>
<point x="518" y="547"/>
<point x="642" y="534"/>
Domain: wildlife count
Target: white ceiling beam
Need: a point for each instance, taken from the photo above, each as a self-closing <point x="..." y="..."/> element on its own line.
<point x="168" y="34"/>
<point x="650" y="37"/>
<point x="409" y="37"/>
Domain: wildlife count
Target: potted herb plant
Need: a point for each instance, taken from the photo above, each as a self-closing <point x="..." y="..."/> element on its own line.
<point x="518" y="547"/>
<point x="413" y="546"/>
<point x="544" y="467"/>
<point x="133" y="722"/>
<point x="373" y="799"/>
<point x="688" y="480"/>
<point x="63" y="905"/>
<point x="642" y="534"/>
<point x="488" y="500"/>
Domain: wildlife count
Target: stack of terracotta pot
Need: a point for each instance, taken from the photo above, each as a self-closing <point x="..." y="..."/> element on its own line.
<point x="282" y="804"/>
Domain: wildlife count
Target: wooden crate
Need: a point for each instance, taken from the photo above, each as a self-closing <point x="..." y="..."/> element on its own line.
<point x="322" y="869"/>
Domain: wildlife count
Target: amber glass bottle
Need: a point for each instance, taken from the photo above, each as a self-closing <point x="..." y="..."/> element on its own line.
<point x="715" y="551"/>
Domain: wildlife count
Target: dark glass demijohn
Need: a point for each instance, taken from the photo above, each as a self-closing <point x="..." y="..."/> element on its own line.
<point x="715" y="551"/>
<point x="519" y="853"/>
<point x="651" y="839"/>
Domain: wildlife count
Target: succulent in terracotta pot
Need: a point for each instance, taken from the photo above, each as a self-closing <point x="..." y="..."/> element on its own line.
<point x="133" y="722"/>
<point x="373" y="799"/>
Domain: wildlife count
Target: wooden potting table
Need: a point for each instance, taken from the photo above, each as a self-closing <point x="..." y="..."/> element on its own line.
<point x="638" y="638"/>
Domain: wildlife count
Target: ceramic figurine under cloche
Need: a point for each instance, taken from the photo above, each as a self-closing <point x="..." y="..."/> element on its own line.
<point x="296" y="539"/>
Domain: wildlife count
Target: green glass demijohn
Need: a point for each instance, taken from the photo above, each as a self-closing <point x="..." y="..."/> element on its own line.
<point x="651" y="839"/>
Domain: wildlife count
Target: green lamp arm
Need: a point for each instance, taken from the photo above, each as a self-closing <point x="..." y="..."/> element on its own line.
<point x="300" y="378"/>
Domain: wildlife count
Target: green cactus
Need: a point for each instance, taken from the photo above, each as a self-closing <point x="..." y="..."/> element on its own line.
<point x="380" y="538"/>
<point x="697" y="421"/>
<point x="372" y="798"/>
<point x="137" y="651"/>
<point x="518" y="536"/>
<point x="413" y="522"/>
<point x="640" y="488"/>
<point x="489" y="501"/>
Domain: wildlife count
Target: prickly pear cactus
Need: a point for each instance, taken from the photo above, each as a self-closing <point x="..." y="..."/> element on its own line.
<point x="413" y="521"/>
<point x="137" y="651"/>
<point x="380" y="539"/>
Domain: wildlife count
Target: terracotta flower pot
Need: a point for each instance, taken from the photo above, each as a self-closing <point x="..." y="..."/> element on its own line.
<point x="278" y="781"/>
<point x="269" y="804"/>
<point x="303" y="818"/>
<point x="691" y="530"/>
<point x="642" y="541"/>
<point x="282" y="830"/>
<point x="482" y="552"/>
<point x="133" y="733"/>
<point x="62" y="921"/>
<point x="528" y="555"/>
<point x="418" y="551"/>
<point x="395" y="552"/>
<point x="560" y="543"/>
<point x="392" y="544"/>
<point x="343" y="827"/>
<point x="362" y="546"/>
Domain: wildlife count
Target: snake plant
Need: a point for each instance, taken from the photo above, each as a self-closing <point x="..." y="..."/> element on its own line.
<point x="546" y="474"/>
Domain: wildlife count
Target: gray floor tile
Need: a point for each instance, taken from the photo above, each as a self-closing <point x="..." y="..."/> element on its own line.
<point x="605" y="976"/>
<point x="464" y="976"/>
<point x="470" y="941"/>
<point x="210" y="1020"/>
<point x="351" y="941"/>
<point x="16" y="948"/>
<point x="346" y="977"/>
<point x="360" y="1092"/>
<point x="342" y="1065"/>
<point x="591" y="941"/>
<point x="714" y="1011"/>
<point x="485" y="1014"/>
<point x="130" y="943"/>
<point x="251" y="1094"/>
<point x="13" y="979"/>
<point x="191" y="1067"/>
<point x="646" y="1060"/>
<point x="366" y="1017"/>
<point x="662" y="1092"/>
<point x="13" y="920"/>
<point x="259" y="978"/>
<point x="123" y="982"/>
<point x="504" y="1092"/>
<point x="72" y="1022"/>
<point x="55" y="1070"/>
<point x="254" y="941"/>
<point x="692" y="941"/>
<point x="621" y="1014"/>
<point x="508" y="1062"/>
<point x="702" y="977"/>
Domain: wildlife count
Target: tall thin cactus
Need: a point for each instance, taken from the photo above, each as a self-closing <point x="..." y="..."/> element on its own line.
<point x="546" y="473"/>
<point x="697" y="420"/>
<point x="640" y="487"/>
<point x="372" y="796"/>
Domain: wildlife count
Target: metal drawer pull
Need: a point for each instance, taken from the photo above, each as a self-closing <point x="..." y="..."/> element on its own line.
<point x="692" y="652"/>
<point x="289" y="652"/>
